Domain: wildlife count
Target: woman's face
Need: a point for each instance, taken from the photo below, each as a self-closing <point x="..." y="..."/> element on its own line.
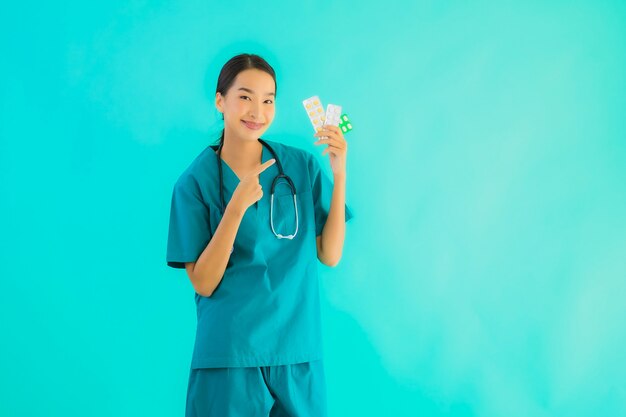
<point x="248" y="105"/>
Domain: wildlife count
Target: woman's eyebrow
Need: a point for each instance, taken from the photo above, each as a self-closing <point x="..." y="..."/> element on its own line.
<point x="252" y="92"/>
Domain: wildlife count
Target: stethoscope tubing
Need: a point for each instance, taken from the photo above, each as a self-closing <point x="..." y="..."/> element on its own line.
<point x="281" y="175"/>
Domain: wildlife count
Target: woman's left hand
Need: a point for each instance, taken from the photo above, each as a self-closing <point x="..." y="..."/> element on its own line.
<point x="337" y="148"/>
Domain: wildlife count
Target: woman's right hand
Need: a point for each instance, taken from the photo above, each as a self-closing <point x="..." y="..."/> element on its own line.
<point x="249" y="190"/>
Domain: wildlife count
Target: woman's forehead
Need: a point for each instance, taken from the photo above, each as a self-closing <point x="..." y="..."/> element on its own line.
<point x="255" y="82"/>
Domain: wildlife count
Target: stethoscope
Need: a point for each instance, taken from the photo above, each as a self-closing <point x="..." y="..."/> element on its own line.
<point x="280" y="175"/>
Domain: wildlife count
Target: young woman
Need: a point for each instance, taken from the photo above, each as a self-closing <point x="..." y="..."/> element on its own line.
<point x="249" y="220"/>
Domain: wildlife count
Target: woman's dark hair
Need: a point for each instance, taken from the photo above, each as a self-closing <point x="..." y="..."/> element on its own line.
<point x="233" y="67"/>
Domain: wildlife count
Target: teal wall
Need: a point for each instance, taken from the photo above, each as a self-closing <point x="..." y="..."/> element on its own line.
<point x="484" y="273"/>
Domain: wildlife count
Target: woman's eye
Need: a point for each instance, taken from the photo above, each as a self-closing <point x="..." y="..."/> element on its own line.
<point x="267" y="101"/>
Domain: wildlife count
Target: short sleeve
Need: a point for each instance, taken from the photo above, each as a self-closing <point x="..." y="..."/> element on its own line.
<point x="322" y="189"/>
<point x="189" y="228"/>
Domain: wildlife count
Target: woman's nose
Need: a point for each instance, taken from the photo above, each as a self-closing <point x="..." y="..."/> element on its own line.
<point x="254" y="111"/>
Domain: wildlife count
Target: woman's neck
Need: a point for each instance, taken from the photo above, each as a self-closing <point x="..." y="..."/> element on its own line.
<point x="241" y="154"/>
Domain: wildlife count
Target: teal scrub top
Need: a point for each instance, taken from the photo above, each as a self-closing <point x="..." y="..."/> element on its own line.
<point x="266" y="309"/>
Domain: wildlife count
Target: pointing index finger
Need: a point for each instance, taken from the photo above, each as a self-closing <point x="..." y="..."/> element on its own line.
<point x="262" y="167"/>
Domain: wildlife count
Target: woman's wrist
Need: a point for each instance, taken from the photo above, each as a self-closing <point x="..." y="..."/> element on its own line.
<point x="233" y="209"/>
<point x="339" y="177"/>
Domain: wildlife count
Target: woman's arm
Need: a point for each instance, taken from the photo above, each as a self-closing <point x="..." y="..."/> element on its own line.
<point x="207" y="272"/>
<point x="330" y="242"/>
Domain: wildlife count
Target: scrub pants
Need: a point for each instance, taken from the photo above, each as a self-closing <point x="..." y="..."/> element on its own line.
<point x="297" y="390"/>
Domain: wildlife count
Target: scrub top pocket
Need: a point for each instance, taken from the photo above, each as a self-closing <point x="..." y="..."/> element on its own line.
<point x="285" y="215"/>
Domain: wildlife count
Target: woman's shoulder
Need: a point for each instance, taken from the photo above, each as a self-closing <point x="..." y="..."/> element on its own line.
<point x="200" y="169"/>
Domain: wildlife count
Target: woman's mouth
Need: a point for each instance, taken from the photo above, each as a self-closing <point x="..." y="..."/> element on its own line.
<point x="252" y="125"/>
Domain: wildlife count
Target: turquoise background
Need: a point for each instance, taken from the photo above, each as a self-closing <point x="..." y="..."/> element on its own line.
<point x="484" y="273"/>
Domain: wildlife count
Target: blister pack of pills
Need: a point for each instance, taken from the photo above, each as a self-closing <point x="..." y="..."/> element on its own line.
<point x="315" y="111"/>
<point x="332" y="116"/>
<point x="344" y="123"/>
<point x="333" y="112"/>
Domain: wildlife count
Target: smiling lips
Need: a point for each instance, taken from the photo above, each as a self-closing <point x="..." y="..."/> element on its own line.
<point x="252" y="125"/>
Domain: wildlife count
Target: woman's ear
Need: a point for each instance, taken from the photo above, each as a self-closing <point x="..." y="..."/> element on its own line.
<point x="219" y="102"/>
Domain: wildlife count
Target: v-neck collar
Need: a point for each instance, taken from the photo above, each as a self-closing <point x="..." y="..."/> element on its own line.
<point x="229" y="172"/>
